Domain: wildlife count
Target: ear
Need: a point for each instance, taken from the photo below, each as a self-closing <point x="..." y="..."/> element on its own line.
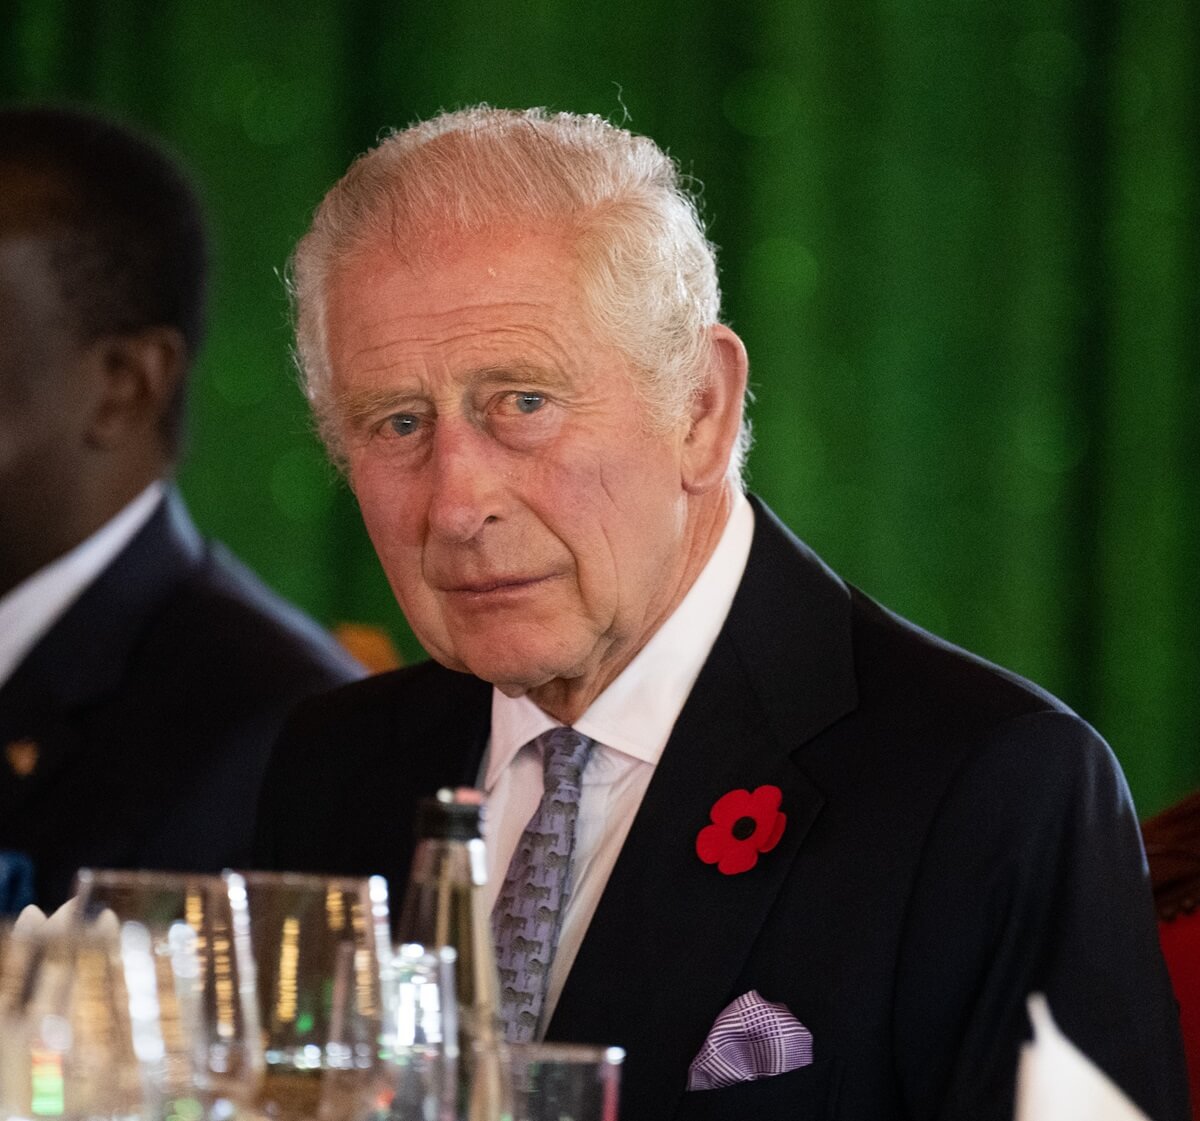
<point x="716" y="413"/>
<point x="137" y="374"/>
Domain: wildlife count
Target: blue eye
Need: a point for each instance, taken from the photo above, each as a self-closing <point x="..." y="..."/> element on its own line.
<point x="529" y="402"/>
<point x="403" y="424"/>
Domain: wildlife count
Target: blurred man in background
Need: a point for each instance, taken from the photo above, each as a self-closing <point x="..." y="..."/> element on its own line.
<point x="143" y="671"/>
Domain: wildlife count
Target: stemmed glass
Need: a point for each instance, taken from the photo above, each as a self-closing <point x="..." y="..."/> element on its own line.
<point x="318" y="942"/>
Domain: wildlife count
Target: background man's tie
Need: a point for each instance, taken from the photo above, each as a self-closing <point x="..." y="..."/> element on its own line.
<point x="529" y="909"/>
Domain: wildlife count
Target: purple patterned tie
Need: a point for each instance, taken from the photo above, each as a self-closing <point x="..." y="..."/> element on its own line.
<point x="528" y="913"/>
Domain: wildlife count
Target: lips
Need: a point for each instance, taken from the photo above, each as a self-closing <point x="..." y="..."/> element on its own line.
<point x="481" y="587"/>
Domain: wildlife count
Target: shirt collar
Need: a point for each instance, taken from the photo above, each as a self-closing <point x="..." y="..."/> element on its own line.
<point x="30" y="609"/>
<point x="637" y="711"/>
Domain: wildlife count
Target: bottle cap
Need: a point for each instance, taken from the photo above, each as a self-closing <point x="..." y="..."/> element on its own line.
<point x="452" y="815"/>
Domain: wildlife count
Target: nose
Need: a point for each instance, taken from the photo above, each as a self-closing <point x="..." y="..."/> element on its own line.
<point x="466" y="491"/>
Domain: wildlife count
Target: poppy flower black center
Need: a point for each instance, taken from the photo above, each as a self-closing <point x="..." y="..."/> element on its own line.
<point x="744" y="828"/>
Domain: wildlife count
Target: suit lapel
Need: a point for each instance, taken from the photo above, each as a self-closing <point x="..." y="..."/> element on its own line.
<point x="671" y="934"/>
<point x="83" y="657"/>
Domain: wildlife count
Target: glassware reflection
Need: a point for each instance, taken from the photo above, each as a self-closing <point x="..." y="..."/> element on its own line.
<point x="318" y="942"/>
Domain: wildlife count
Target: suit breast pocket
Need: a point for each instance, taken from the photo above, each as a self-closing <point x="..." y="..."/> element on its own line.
<point x="807" y="1094"/>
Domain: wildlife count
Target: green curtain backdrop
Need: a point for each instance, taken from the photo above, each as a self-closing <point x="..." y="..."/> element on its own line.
<point x="959" y="238"/>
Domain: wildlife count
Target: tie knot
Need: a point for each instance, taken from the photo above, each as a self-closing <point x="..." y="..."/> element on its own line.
<point x="565" y="753"/>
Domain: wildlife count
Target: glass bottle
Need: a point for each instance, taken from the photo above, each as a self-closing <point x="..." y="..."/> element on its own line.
<point x="444" y="906"/>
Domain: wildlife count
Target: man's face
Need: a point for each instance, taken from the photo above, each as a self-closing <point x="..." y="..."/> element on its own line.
<point x="533" y="526"/>
<point x="40" y="409"/>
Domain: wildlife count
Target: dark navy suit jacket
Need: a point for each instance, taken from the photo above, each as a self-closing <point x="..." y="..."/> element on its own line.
<point x="956" y="839"/>
<point x="136" y="731"/>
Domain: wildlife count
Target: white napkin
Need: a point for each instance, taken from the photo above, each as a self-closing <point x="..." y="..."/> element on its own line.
<point x="29" y="921"/>
<point x="1057" y="1082"/>
<point x="32" y="919"/>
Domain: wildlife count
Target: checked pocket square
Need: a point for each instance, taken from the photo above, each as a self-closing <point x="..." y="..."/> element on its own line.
<point x="753" y="1038"/>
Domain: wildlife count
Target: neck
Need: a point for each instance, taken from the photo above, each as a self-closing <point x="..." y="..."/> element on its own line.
<point x="33" y="535"/>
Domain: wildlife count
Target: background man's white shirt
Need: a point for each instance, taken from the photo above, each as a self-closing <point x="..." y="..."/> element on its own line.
<point x="30" y="609"/>
<point x="631" y="722"/>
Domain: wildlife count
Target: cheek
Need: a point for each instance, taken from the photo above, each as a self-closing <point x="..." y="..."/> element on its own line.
<point x="378" y="493"/>
<point x="625" y="534"/>
<point x="391" y="523"/>
<point x="392" y="513"/>
<point x="401" y="560"/>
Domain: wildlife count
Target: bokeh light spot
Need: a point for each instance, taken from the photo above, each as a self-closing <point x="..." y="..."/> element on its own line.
<point x="235" y="84"/>
<point x="1050" y="63"/>
<point x="1136" y="93"/>
<point x="239" y="385"/>
<point x="301" y="485"/>
<point x="1159" y="180"/>
<point x="781" y="268"/>
<point x="1052" y="437"/>
<point x="273" y="112"/>
<point x="761" y="103"/>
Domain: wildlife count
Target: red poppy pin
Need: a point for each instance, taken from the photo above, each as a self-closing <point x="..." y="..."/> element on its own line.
<point x="744" y="824"/>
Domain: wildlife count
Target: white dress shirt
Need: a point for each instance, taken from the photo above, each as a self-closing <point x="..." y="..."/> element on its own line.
<point x="631" y="722"/>
<point x="30" y="609"/>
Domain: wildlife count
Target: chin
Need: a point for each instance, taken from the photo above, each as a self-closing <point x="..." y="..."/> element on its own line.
<point x="512" y="681"/>
<point x="513" y="676"/>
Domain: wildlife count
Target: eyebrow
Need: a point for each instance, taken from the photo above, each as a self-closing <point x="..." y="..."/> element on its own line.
<point x="357" y="406"/>
<point x="520" y="373"/>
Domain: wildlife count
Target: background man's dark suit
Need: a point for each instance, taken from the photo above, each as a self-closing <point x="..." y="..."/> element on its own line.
<point x="956" y="839"/>
<point x="148" y="710"/>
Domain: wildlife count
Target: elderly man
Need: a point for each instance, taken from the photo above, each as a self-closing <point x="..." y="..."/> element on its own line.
<point x="143" y="672"/>
<point x="799" y="857"/>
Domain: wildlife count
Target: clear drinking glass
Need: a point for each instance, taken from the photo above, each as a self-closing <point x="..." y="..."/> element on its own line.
<point x="76" y="1041"/>
<point x="318" y="942"/>
<point x="565" y="1081"/>
<point x="419" y="1075"/>
<point x="203" y="977"/>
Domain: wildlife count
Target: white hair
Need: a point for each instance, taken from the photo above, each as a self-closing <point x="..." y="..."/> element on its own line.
<point x="649" y="274"/>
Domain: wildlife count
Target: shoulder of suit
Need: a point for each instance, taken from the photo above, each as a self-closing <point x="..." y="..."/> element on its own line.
<point x="919" y="669"/>
<point x="370" y="724"/>
<point x="423" y="692"/>
<point x="212" y="609"/>
<point x="800" y="616"/>
<point x="955" y="722"/>
<point x="222" y="599"/>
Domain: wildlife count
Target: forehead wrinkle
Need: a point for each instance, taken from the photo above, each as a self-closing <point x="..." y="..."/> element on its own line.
<point x="519" y="313"/>
<point x="532" y="347"/>
<point x="352" y="315"/>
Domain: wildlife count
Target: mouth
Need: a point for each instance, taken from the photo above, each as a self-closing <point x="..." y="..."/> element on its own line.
<point x="477" y="589"/>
